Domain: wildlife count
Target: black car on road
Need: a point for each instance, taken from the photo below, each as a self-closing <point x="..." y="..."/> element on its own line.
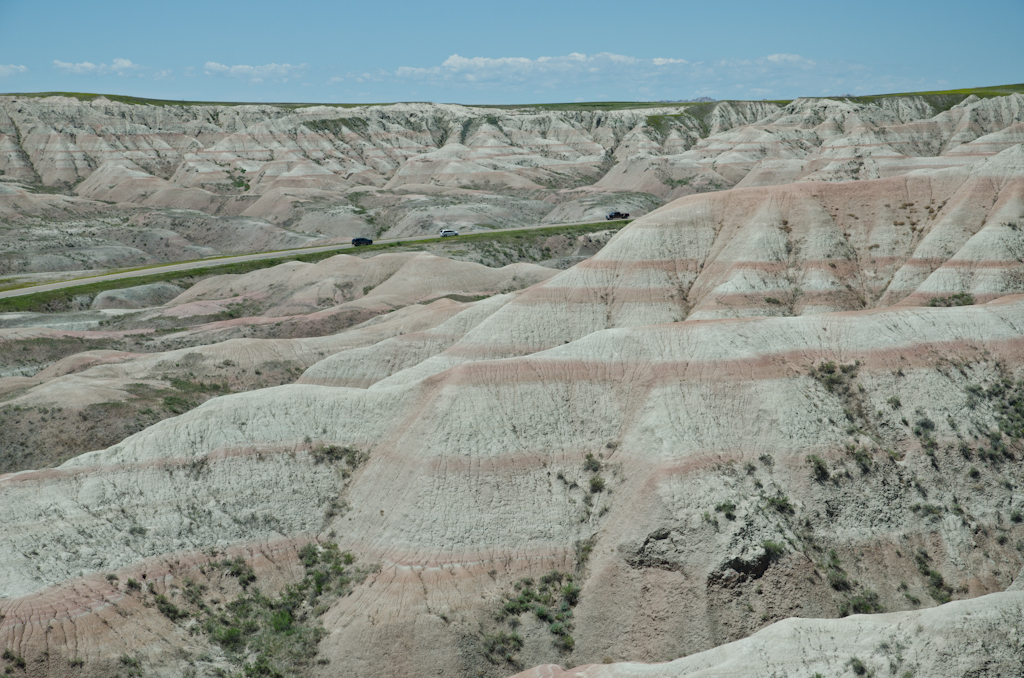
<point x="356" y="242"/>
<point x="616" y="215"/>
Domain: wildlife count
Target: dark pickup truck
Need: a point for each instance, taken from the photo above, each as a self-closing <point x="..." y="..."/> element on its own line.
<point x="617" y="215"/>
<point x="356" y="242"/>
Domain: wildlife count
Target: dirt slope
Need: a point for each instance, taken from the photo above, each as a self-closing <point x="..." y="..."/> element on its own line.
<point x="945" y="641"/>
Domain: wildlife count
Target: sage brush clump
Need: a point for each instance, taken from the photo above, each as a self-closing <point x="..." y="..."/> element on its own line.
<point x="336" y="454"/>
<point x="550" y="600"/>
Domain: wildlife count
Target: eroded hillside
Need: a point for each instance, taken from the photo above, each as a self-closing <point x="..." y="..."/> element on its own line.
<point x="794" y="390"/>
<point x="101" y="184"/>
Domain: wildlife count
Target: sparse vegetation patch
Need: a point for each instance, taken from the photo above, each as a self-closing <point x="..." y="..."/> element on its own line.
<point x="958" y="299"/>
<point x="263" y="635"/>
<point x="551" y="600"/>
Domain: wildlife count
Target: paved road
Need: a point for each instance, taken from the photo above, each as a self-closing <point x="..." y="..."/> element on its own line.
<point x="220" y="261"/>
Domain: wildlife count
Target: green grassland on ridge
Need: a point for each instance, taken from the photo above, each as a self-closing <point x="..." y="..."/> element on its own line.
<point x="943" y="99"/>
<point x="141" y="101"/>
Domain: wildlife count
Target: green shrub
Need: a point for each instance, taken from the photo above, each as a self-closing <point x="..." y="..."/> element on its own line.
<point x="169" y="609"/>
<point x="924" y="425"/>
<point x="773" y="549"/>
<point x="261" y="668"/>
<point x="835" y="378"/>
<point x="502" y="646"/>
<point x="193" y="592"/>
<point x="178" y="405"/>
<point x="937" y="587"/>
<point x="781" y="504"/>
<point x="862" y="457"/>
<point x="335" y="453"/>
<point x="837" y="577"/>
<point x="281" y="621"/>
<point x="927" y="509"/>
<point x="591" y="464"/>
<point x="552" y="577"/>
<point x="583" y="548"/>
<point x="838" y="580"/>
<point x="596" y="484"/>
<point x="188" y="386"/>
<point x="571" y="593"/>
<point x="866" y="602"/>
<point x="728" y="509"/>
<point x="240" y="570"/>
<point x="565" y="642"/>
<point x="819" y="466"/>
<point x="957" y="299"/>
<point x="18" y="660"/>
<point x="309" y="555"/>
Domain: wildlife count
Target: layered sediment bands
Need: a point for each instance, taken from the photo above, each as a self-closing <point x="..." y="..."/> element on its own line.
<point x="96" y="621"/>
<point x="475" y="477"/>
<point x="751" y="406"/>
<point x="401" y="279"/>
<point x="92" y="399"/>
<point x="797" y="249"/>
<point x="238" y="178"/>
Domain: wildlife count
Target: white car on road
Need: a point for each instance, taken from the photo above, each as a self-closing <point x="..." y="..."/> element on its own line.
<point x="445" y="232"/>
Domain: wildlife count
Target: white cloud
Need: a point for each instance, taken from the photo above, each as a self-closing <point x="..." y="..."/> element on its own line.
<point x="11" y="70"/>
<point x="790" y="59"/>
<point x="119" y="66"/>
<point x="254" y="74"/>
<point x="84" y="67"/>
<point x="664" y="77"/>
<point x="661" y="76"/>
<point x="517" y="69"/>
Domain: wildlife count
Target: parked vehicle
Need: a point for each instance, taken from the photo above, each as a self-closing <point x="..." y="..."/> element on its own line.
<point x="617" y="215"/>
<point x="356" y="242"/>
<point x="445" y="232"/>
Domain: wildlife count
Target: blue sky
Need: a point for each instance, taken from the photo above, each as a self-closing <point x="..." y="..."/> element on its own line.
<point x="526" y="51"/>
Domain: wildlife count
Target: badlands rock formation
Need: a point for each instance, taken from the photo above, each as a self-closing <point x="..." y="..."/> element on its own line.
<point x="773" y="429"/>
<point x="99" y="184"/>
<point x="99" y="396"/>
